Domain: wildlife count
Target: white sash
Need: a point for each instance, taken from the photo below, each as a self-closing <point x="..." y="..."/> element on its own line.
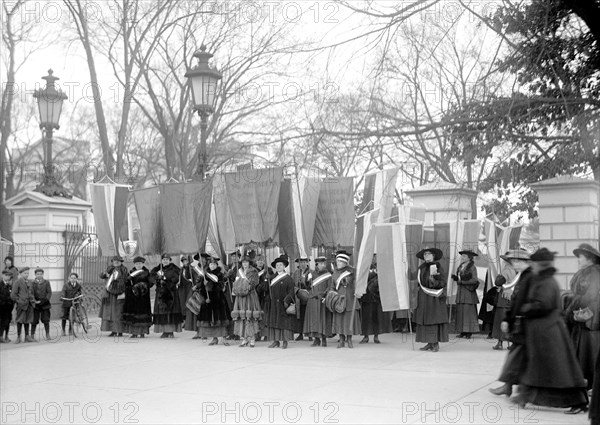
<point x="511" y="285"/>
<point x="241" y="274"/>
<point x="321" y="279"/>
<point x="212" y="277"/>
<point x="135" y="273"/>
<point x="428" y="291"/>
<point x="112" y="277"/>
<point x="278" y="278"/>
<point x="260" y="273"/>
<point x="341" y="277"/>
<point x="198" y="270"/>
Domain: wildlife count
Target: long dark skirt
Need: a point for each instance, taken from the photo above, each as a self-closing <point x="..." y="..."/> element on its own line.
<point x="497" y="333"/>
<point x="374" y="321"/>
<point x="554" y="397"/>
<point x="276" y="334"/>
<point x="595" y="402"/>
<point x="432" y="333"/>
<point x="514" y="365"/>
<point x="137" y="314"/>
<point x="346" y="323"/>
<point x="318" y="319"/>
<point x="111" y="313"/>
<point x="587" y="344"/>
<point x="466" y="318"/>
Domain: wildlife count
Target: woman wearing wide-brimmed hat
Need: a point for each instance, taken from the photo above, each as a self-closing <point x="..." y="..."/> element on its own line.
<point x="466" y="296"/>
<point x="281" y="291"/>
<point x="137" y="312"/>
<point x="431" y="314"/>
<point x="167" y="317"/>
<point x="264" y="277"/>
<point x="113" y="298"/>
<point x="346" y="322"/>
<point x="552" y="376"/>
<point x="189" y="277"/>
<point x="246" y="312"/>
<point x="585" y="289"/>
<point x="512" y="325"/>
<point x="214" y="316"/>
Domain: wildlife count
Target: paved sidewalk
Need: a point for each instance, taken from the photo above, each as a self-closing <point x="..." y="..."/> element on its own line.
<point x="153" y="381"/>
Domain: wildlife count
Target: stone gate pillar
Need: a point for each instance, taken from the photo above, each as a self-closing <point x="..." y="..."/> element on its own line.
<point x="568" y="212"/>
<point x="443" y="201"/>
<point x="39" y="225"/>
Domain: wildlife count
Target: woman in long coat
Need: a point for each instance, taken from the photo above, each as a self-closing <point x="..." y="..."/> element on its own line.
<point x="188" y="278"/>
<point x="264" y="277"/>
<point x="281" y="292"/>
<point x="374" y="320"/>
<point x="347" y="323"/>
<point x="503" y="287"/>
<point x="466" y="295"/>
<point x="552" y="375"/>
<point x="246" y="312"/>
<point x="214" y="316"/>
<point x="511" y="324"/>
<point x="318" y="320"/>
<point x="167" y="317"/>
<point x="137" y="313"/>
<point x="585" y="288"/>
<point x="113" y="298"/>
<point x="431" y="315"/>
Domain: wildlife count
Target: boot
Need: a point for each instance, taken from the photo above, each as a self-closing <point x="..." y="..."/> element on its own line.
<point x="284" y="345"/>
<point x="349" y="340"/>
<point x="376" y="340"/>
<point x="214" y="341"/>
<point x="364" y="340"/>
<point x="323" y="342"/>
<point x="274" y="344"/>
<point x="299" y="337"/>
<point x="316" y="342"/>
<point x="497" y="346"/>
<point x="112" y="334"/>
<point x="436" y="347"/>
<point x="505" y="389"/>
<point x="341" y="343"/>
<point x="426" y="347"/>
<point x="29" y="339"/>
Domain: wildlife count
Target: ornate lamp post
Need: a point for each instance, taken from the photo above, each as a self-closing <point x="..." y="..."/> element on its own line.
<point x="50" y="103"/>
<point x="203" y="81"/>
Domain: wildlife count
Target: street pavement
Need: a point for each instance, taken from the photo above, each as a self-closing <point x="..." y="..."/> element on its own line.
<point x="154" y="381"/>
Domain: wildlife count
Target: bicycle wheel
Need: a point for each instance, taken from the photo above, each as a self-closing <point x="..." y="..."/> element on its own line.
<point x="83" y="318"/>
<point x="74" y="320"/>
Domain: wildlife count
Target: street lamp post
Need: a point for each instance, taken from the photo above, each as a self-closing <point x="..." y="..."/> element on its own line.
<point x="50" y="101"/>
<point x="203" y="81"/>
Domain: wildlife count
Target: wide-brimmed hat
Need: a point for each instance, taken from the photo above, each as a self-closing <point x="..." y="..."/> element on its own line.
<point x="117" y="258"/>
<point x="185" y="257"/>
<point x="246" y="258"/>
<point x="214" y="260"/>
<point x="7" y="272"/>
<point x="203" y="255"/>
<point x="239" y="254"/>
<point x="139" y="259"/>
<point x="437" y="253"/>
<point x="321" y="259"/>
<point x="515" y="254"/>
<point x="542" y="255"/>
<point x="586" y="247"/>
<point x="280" y="259"/>
<point x="469" y="253"/>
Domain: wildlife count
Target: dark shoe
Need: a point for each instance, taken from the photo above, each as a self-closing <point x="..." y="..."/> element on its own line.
<point x="505" y="389"/>
<point x="340" y="344"/>
<point x="299" y="337"/>
<point x="364" y="340"/>
<point x="519" y="400"/>
<point x="133" y="336"/>
<point x="171" y="335"/>
<point x="142" y="336"/>
<point x="468" y="335"/>
<point x="29" y="339"/>
<point x="225" y="343"/>
<point x="7" y="340"/>
<point x="274" y="344"/>
<point x="376" y="340"/>
<point x="436" y="347"/>
<point x="120" y="334"/>
<point x="214" y="341"/>
<point x="251" y="345"/>
<point x="284" y="345"/>
<point x="426" y="347"/>
<point x="112" y="334"/>
<point x="498" y="346"/>
<point x="18" y="341"/>
<point x="324" y="343"/>
<point x="164" y="335"/>
<point x="316" y="342"/>
<point x="576" y="409"/>
<point x="244" y="343"/>
<point x="349" y="342"/>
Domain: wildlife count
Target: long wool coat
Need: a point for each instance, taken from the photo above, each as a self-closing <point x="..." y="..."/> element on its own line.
<point x="467" y="284"/>
<point x="137" y="310"/>
<point x="431" y="310"/>
<point x="547" y="341"/>
<point x="281" y="294"/>
<point x="167" y="308"/>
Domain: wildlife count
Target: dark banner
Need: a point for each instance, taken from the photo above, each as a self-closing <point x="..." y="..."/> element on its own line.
<point x="334" y="223"/>
<point x="185" y="216"/>
<point x="147" y="205"/>
<point x="253" y="200"/>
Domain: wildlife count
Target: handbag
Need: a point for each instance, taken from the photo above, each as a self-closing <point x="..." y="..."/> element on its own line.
<point x="291" y="309"/>
<point x="195" y="302"/>
<point x="583" y="314"/>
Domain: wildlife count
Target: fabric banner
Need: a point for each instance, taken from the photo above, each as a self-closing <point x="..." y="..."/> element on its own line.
<point x="147" y="205"/>
<point x="397" y="264"/>
<point x="464" y="235"/>
<point x="334" y="224"/>
<point x="288" y="236"/>
<point x="440" y="238"/>
<point x="253" y="196"/>
<point x="365" y="253"/>
<point x="222" y="214"/>
<point x="185" y="216"/>
<point x="498" y="240"/>
<point x="408" y="214"/>
<point x="305" y="200"/>
<point x="109" y="204"/>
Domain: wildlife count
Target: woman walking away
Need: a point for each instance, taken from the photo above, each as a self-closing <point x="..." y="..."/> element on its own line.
<point x="466" y="297"/>
<point x="431" y="315"/>
<point x="552" y="375"/>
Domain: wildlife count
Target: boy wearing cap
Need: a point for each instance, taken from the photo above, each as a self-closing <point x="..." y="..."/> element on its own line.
<point x="6" y="304"/>
<point x="71" y="289"/>
<point x="42" y="292"/>
<point x="22" y="295"/>
<point x="113" y="298"/>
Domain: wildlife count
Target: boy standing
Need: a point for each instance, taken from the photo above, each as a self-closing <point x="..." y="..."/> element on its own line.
<point x="6" y="304"/>
<point x="22" y="295"/>
<point x="42" y="293"/>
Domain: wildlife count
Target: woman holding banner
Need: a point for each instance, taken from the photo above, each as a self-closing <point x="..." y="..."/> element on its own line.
<point x="431" y="315"/>
<point x="466" y="298"/>
<point x="346" y="319"/>
<point x="317" y="321"/>
<point x="187" y="280"/>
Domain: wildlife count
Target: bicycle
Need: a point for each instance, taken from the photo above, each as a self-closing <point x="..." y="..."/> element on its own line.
<point x="77" y="315"/>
